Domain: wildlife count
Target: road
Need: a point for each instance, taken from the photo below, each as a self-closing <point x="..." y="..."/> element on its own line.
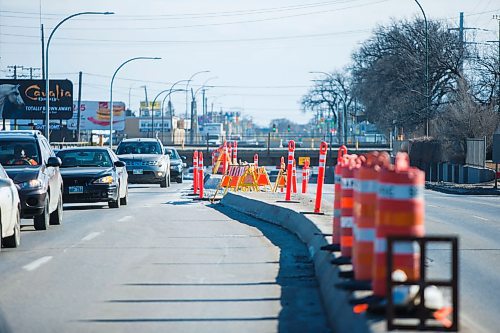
<point x="476" y="220"/>
<point x="164" y="263"/>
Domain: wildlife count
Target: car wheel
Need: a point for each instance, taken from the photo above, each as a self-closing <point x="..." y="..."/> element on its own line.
<point x="124" y="200"/>
<point x="42" y="221"/>
<point x="14" y="240"/>
<point x="56" y="216"/>
<point x="180" y="179"/>
<point x="163" y="182"/>
<point x="115" y="203"/>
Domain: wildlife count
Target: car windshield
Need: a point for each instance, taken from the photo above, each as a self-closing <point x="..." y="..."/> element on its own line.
<point x="84" y="158"/>
<point x="19" y="152"/>
<point x="172" y="153"/>
<point x="139" y="148"/>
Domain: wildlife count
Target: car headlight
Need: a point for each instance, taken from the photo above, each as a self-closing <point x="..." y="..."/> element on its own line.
<point x="33" y="183"/>
<point x="104" y="180"/>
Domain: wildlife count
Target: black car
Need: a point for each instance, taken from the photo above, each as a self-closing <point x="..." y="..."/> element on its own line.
<point x="93" y="174"/>
<point x="31" y="163"/>
<point x="177" y="164"/>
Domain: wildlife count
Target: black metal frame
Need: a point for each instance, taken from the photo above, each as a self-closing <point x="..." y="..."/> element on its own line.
<point x="422" y="314"/>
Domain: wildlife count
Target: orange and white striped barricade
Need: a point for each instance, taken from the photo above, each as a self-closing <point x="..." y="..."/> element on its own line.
<point x="305" y="176"/>
<point x="400" y="212"/>
<point x="200" y="174"/>
<point x="337" y="198"/>
<point x="249" y="179"/>
<point x="294" y="177"/>
<point x="364" y="210"/>
<point x="263" y="182"/>
<point x="323" y="149"/>
<point x="291" y="159"/>
<point x="346" y="205"/>
<point x="235" y="153"/>
<point x="195" y="172"/>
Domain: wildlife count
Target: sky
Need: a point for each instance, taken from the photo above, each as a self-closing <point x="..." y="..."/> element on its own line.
<point x="259" y="53"/>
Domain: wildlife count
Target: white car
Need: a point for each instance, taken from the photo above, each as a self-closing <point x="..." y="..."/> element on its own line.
<point x="10" y="223"/>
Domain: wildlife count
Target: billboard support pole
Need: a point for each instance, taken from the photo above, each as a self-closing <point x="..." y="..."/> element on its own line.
<point x="78" y="111"/>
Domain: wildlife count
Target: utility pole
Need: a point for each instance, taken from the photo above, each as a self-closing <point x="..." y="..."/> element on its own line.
<point x="497" y="17"/>
<point x="42" y="38"/>
<point x="78" y="112"/>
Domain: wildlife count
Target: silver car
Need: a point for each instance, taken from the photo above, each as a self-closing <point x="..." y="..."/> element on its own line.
<point x="10" y="227"/>
<point x="146" y="161"/>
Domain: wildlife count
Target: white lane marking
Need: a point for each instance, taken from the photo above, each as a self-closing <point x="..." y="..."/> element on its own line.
<point x="479" y="217"/>
<point x="90" y="236"/>
<point x="433" y="206"/>
<point x="37" y="263"/>
<point x="125" y="218"/>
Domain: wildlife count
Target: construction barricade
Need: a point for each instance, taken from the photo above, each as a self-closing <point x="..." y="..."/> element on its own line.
<point x="400" y="212"/>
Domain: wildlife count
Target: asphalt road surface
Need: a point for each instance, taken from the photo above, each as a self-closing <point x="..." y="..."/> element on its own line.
<point x="163" y="263"/>
<point x="476" y="221"/>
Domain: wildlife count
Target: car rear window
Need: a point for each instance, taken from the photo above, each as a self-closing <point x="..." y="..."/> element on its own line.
<point x="138" y="148"/>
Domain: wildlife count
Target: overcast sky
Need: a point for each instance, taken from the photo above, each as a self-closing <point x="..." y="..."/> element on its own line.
<point x="259" y="53"/>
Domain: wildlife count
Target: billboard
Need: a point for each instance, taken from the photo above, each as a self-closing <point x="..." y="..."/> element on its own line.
<point x="95" y="115"/>
<point x="25" y="99"/>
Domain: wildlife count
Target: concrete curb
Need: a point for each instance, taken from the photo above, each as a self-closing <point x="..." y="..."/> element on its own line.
<point x="450" y="189"/>
<point x="309" y="229"/>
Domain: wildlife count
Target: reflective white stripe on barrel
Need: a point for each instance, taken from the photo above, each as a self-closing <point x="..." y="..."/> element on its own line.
<point x="400" y="191"/>
<point x="366" y="186"/>
<point x="338" y="179"/>
<point x="347" y="183"/>
<point x="346" y="221"/>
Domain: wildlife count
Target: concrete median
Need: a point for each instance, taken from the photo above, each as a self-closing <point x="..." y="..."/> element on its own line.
<point x="297" y="217"/>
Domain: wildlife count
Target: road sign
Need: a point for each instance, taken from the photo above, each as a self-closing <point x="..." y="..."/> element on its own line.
<point x="303" y="159"/>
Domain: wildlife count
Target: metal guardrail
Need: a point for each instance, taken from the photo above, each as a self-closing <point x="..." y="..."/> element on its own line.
<point x="422" y="283"/>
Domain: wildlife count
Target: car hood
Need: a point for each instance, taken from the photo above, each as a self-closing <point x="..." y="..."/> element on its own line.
<point x="23" y="173"/>
<point x="140" y="157"/>
<point x="90" y="172"/>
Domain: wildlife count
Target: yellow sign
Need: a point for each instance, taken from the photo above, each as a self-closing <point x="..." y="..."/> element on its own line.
<point x="303" y="159"/>
<point x="157" y="105"/>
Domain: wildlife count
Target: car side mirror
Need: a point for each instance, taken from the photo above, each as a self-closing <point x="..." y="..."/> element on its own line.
<point x="119" y="164"/>
<point x="54" y="162"/>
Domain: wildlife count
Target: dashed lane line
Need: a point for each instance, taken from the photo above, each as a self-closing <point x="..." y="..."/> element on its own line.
<point x="125" y="218"/>
<point x="480" y="218"/>
<point x="37" y="263"/>
<point x="91" y="236"/>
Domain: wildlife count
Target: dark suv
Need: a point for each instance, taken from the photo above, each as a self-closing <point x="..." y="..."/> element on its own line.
<point x="177" y="164"/>
<point x="30" y="162"/>
<point x="146" y="161"/>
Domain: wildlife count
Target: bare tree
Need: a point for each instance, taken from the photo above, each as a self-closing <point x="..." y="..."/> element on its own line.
<point x="389" y="73"/>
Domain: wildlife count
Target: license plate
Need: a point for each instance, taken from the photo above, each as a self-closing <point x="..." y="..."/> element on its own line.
<point x="138" y="171"/>
<point x="75" y="189"/>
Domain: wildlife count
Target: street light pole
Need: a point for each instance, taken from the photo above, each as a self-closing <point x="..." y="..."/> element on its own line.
<point x="111" y="94"/>
<point x="187" y="89"/>
<point x="427" y="100"/>
<point x="47" y="90"/>
<point x="163" y="109"/>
